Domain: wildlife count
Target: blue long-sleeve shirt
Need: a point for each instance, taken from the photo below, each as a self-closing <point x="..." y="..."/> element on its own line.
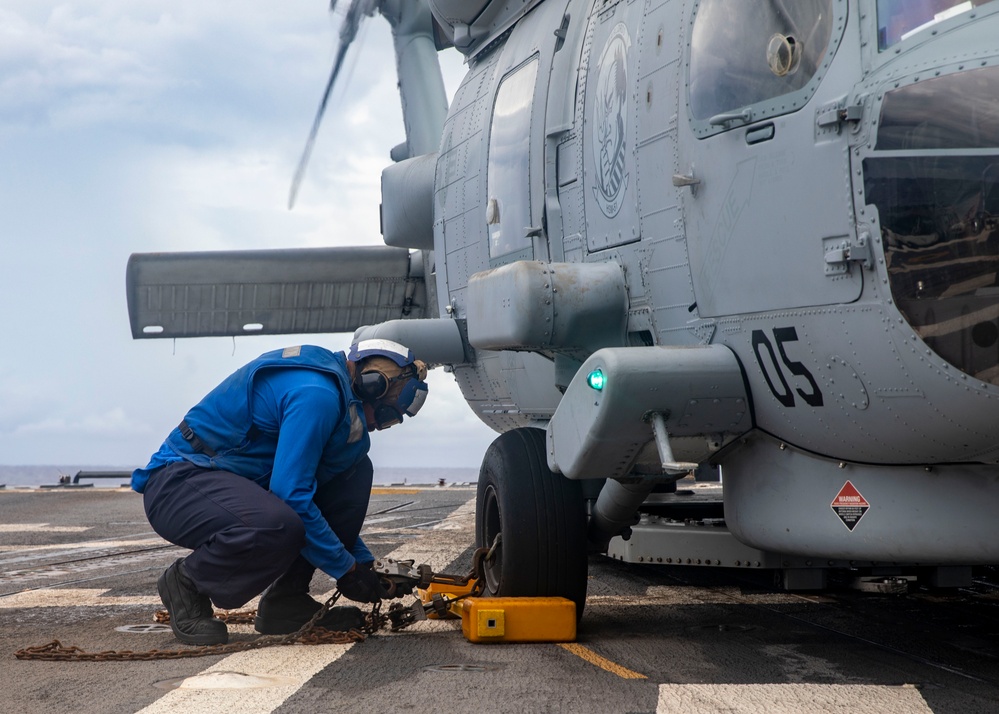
<point x="288" y="425"/>
<point x="303" y="408"/>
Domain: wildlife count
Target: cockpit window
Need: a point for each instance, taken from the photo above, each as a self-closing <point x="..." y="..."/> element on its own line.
<point x="508" y="212"/>
<point x="899" y="19"/>
<point x="747" y="52"/>
<point x="957" y="111"/>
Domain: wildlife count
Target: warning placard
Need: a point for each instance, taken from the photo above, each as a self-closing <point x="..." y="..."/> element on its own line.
<point x="849" y="505"/>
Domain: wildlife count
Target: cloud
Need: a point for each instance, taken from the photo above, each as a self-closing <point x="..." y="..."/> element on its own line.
<point x="137" y="126"/>
<point x="79" y="64"/>
<point x="23" y="400"/>
<point x="114" y="422"/>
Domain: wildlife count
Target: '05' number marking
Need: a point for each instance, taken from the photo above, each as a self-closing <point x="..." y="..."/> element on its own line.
<point x="784" y="394"/>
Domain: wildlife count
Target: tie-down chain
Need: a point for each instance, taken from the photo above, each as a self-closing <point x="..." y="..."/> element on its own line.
<point x="400" y="577"/>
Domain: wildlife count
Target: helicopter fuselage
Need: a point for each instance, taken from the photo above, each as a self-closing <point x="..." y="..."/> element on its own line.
<point x="758" y="236"/>
<point x="812" y="187"/>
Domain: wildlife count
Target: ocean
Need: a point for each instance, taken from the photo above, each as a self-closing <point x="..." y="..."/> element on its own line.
<point x="37" y="476"/>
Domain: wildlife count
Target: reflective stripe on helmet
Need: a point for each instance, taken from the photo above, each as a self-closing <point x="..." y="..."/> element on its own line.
<point x="399" y="354"/>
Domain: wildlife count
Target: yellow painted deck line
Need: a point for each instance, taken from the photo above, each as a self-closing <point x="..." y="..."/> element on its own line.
<point x="410" y="490"/>
<point x="790" y="698"/>
<point x="602" y="662"/>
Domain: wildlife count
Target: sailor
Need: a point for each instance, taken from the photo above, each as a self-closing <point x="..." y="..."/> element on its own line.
<point x="268" y="478"/>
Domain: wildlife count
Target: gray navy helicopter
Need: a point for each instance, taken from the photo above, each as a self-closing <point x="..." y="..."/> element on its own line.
<point x="650" y="237"/>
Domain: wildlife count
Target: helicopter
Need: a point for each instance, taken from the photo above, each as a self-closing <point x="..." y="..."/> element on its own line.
<point x="756" y="239"/>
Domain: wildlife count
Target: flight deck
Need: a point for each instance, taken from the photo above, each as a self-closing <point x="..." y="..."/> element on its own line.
<point x="80" y="566"/>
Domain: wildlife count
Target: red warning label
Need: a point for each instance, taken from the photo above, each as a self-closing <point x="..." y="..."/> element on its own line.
<point x="849" y="505"/>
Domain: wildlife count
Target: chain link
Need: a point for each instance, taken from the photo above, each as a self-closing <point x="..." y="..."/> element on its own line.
<point x="229" y="617"/>
<point x="309" y="634"/>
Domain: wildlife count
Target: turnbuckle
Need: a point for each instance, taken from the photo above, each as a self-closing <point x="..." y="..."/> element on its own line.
<point x="402" y="577"/>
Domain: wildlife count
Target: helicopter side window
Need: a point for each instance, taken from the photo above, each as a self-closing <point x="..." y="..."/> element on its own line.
<point x="508" y="180"/>
<point x="933" y="178"/>
<point x="898" y="19"/>
<point x="744" y="52"/>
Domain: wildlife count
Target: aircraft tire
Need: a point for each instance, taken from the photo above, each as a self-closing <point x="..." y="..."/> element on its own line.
<point x="542" y="518"/>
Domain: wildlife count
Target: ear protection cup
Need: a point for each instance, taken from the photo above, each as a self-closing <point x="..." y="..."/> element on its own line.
<point x="390" y="378"/>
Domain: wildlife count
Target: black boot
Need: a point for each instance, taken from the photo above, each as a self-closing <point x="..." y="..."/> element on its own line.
<point x="191" y="615"/>
<point x="286" y="605"/>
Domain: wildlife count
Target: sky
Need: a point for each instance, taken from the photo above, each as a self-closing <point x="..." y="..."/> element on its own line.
<point x="131" y="126"/>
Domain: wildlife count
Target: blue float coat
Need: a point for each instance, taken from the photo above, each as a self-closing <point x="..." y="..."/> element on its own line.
<point x="288" y="421"/>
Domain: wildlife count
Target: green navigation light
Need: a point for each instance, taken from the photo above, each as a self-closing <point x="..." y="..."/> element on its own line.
<point x="596" y="379"/>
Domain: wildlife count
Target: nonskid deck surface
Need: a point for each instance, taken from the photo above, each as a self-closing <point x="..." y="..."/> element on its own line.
<point x="78" y="566"/>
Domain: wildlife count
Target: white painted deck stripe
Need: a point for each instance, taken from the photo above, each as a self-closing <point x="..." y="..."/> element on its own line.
<point x="40" y="528"/>
<point x="75" y="597"/>
<point x="442" y="544"/>
<point x="296" y="661"/>
<point x="790" y="699"/>
<point x="81" y="545"/>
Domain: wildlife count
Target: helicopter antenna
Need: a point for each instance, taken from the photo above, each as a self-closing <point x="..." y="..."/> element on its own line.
<point x="357" y="10"/>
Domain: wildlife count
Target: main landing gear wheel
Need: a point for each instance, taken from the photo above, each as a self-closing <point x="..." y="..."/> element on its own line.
<point x="540" y="518"/>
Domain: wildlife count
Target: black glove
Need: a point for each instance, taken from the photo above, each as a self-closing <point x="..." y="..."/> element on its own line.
<point x="362" y="584"/>
<point x="403" y="589"/>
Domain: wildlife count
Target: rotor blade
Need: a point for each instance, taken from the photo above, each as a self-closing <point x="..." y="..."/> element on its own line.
<point x="348" y="31"/>
<point x="304" y="161"/>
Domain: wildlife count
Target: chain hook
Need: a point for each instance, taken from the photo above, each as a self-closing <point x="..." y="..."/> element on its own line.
<point x="497" y="541"/>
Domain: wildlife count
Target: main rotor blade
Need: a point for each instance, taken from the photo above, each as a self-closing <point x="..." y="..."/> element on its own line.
<point x="307" y="153"/>
<point x="348" y="31"/>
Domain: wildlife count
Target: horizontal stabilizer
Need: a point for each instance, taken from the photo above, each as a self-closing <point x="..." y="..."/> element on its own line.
<point x="272" y="292"/>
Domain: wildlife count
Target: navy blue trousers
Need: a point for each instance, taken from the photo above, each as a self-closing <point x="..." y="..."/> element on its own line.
<point x="242" y="536"/>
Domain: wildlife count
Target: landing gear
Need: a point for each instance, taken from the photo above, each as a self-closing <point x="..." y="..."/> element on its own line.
<point x="540" y="518"/>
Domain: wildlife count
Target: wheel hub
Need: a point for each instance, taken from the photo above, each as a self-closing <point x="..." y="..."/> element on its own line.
<point x="491" y="528"/>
